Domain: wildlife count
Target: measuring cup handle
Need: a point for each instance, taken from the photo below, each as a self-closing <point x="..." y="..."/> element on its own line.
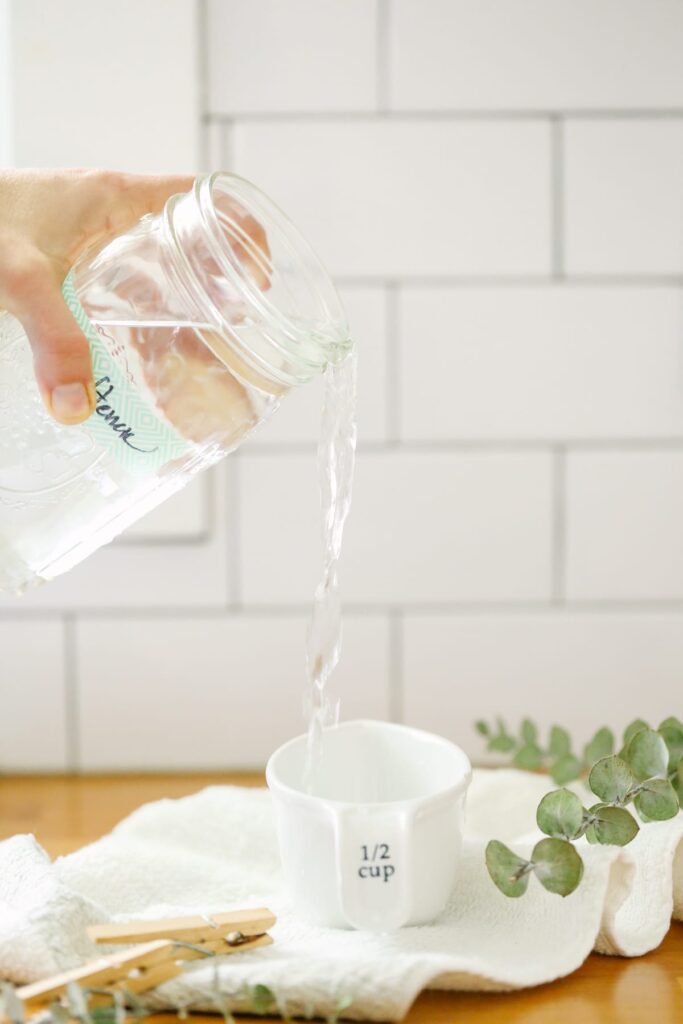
<point x="374" y="867"/>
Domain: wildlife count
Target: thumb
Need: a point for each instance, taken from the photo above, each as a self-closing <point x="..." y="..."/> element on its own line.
<point x="61" y="353"/>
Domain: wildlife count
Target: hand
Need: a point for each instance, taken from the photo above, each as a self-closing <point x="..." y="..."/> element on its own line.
<point x="47" y="218"/>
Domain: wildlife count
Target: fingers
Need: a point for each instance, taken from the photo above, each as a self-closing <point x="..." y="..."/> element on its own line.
<point x="148" y="193"/>
<point x="61" y="353"/>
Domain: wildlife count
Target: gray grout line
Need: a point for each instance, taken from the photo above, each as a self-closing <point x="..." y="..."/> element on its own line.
<point x="228" y="146"/>
<point x="383" y="55"/>
<point x="301" y="612"/>
<point x="426" y="114"/>
<point x="234" y="565"/>
<point x="393" y="365"/>
<point x="71" y="709"/>
<point x="557" y="171"/>
<point x="396" y="676"/>
<point x="203" y="84"/>
<point x="510" y="280"/>
<point x="494" y="445"/>
<point x="559" y="526"/>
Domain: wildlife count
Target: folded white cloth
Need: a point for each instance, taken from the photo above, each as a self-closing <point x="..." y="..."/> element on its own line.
<point x="216" y="850"/>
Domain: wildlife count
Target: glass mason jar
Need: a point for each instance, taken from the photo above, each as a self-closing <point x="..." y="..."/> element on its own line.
<point x="200" y="319"/>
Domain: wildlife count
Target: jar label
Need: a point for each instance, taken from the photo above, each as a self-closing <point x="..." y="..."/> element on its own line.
<point x="124" y="424"/>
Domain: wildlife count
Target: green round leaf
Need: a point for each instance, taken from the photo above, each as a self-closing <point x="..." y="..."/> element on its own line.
<point x="672" y="734"/>
<point x="677" y="781"/>
<point x="528" y="757"/>
<point x="506" y="869"/>
<point x="565" y="769"/>
<point x="647" y="754"/>
<point x="560" y="814"/>
<point x="614" y="826"/>
<point x="657" y="800"/>
<point x="611" y="779"/>
<point x="502" y="744"/>
<point x="602" y="745"/>
<point x="528" y="733"/>
<point x="632" y="729"/>
<point x="560" y="743"/>
<point x="482" y="728"/>
<point x="262" y="999"/>
<point x="557" y="865"/>
<point x="671" y="720"/>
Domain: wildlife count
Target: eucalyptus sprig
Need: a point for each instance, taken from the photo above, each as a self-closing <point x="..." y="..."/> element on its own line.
<point x="647" y="773"/>
<point x="556" y="757"/>
<point x="115" y="1006"/>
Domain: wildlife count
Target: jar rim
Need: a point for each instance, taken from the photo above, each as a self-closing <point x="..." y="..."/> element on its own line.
<point x="307" y="344"/>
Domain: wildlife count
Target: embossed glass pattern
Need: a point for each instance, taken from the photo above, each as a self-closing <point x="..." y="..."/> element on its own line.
<point x="201" y="319"/>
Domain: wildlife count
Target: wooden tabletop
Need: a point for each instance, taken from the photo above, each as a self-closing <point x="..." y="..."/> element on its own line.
<point x="67" y="812"/>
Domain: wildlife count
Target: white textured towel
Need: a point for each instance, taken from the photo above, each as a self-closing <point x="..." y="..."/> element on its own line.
<point x="216" y="850"/>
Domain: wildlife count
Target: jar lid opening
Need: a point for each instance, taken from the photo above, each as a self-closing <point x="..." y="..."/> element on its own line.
<point x="285" y="282"/>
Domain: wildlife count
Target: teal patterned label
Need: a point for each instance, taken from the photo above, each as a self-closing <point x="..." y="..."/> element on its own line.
<point x="123" y="423"/>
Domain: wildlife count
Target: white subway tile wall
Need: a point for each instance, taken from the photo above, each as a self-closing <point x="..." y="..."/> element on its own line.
<point x="497" y="187"/>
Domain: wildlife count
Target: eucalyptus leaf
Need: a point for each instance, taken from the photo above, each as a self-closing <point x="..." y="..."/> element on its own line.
<point x="632" y="729"/>
<point x="657" y="800"/>
<point x="557" y="865"/>
<point x="502" y="744"/>
<point x="677" y="781"/>
<point x="647" y="754"/>
<point x="560" y="814"/>
<point x="559" y="744"/>
<point x="671" y="732"/>
<point x="103" y="1014"/>
<point x="528" y="757"/>
<point x="482" y="728"/>
<point x="613" y="826"/>
<point x="528" y="733"/>
<point x="565" y="769"/>
<point x="611" y="779"/>
<point x="671" y="720"/>
<point x="261" y="999"/>
<point x="601" y="745"/>
<point x="507" y="870"/>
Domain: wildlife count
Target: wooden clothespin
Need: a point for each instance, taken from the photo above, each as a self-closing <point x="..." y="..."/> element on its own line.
<point x="138" y="970"/>
<point x="164" y="945"/>
<point x="229" y="932"/>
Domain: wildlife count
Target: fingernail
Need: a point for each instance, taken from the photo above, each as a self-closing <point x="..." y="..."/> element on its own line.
<point x="70" y="403"/>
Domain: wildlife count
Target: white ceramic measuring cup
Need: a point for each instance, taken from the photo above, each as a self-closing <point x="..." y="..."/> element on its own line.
<point x="375" y="844"/>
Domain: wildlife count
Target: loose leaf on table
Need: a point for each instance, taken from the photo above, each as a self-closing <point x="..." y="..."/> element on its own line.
<point x="613" y="826"/>
<point x="508" y="871"/>
<point x="647" y="754"/>
<point x="559" y="744"/>
<point x="611" y="779"/>
<point x="671" y="732"/>
<point x="528" y="757"/>
<point x="560" y="814"/>
<point x="565" y="769"/>
<point x="657" y="800"/>
<point x="601" y="745"/>
<point x="557" y="866"/>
